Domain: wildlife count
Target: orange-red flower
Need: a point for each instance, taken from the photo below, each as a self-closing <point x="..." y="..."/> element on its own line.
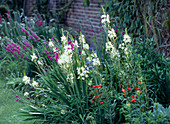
<point x="97" y="86"/>
<point x="91" y="101"/>
<point x="101" y="102"/>
<point x="138" y="89"/>
<point x="129" y="89"/>
<point x="96" y="97"/>
<point x="133" y="98"/>
<point x="123" y="90"/>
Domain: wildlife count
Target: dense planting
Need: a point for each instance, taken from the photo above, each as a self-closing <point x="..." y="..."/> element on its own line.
<point x="63" y="80"/>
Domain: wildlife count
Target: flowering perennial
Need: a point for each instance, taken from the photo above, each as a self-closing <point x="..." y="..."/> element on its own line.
<point x="126" y="38"/>
<point x="26" y="80"/>
<point x="83" y="72"/>
<point x="105" y="18"/>
<point x="111" y="33"/>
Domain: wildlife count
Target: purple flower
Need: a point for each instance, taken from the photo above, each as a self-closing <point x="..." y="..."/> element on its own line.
<point x="51" y="76"/>
<point x="123" y="33"/>
<point x="72" y="46"/>
<point x="45" y="69"/>
<point x="17" y="96"/>
<point x="116" y="29"/>
<point x="25" y="57"/>
<point x="48" y="56"/>
<point x="79" y="30"/>
<point x="17" y="99"/>
<point x="22" y="55"/>
<point x="100" y="29"/>
<point x="70" y="42"/>
<point x="92" y="30"/>
<point x="41" y="23"/>
<point x="52" y="38"/>
<point x="123" y="28"/>
<point x="31" y="46"/>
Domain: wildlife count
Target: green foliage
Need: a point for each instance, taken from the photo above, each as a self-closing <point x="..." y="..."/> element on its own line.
<point x="142" y="18"/>
<point x="9" y="107"/>
<point x="113" y="83"/>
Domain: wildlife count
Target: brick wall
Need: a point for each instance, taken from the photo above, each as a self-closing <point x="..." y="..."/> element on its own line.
<point x="79" y="17"/>
<point x="87" y="19"/>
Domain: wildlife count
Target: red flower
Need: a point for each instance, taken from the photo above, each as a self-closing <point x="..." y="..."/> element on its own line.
<point x="96" y="97"/>
<point x="91" y="101"/>
<point x="97" y="86"/>
<point x="133" y="96"/>
<point x="101" y="102"/>
<point x="94" y="86"/>
<point x="133" y="100"/>
<point x="137" y="88"/>
<point x="123" y="90"/>
<point x="129" y="89"/>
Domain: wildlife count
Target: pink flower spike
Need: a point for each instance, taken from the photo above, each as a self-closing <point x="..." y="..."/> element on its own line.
<point x="48" y="56"/>
<point x="41" y="23"/>
<point x="17" y="100"/>
<point x="70" y="42"/>
<point x="8" y="11"/>
<point x="31" y="46"/>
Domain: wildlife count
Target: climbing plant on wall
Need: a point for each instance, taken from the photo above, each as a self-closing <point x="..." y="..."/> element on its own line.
<point x="142" y="18"/>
